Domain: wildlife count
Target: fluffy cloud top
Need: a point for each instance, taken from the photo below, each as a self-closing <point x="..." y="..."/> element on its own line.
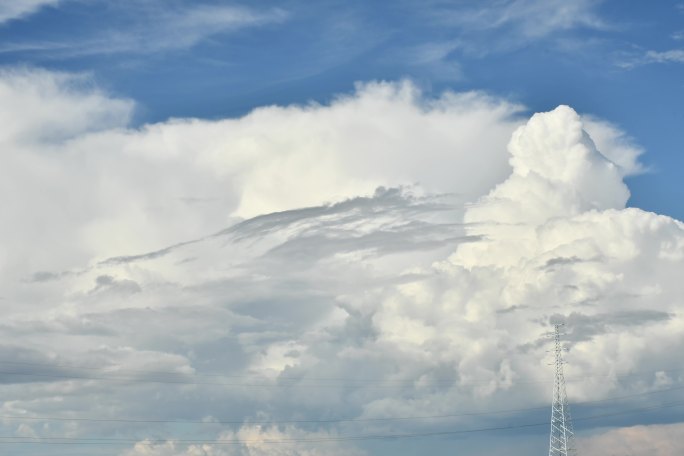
<point x="378" y="257"/>
<point x="45" y="107"/>
<point x="557" y="171"/>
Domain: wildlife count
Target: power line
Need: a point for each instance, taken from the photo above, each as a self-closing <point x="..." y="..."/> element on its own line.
<point x="120" y="441"/>
<point x="336" y="420"/>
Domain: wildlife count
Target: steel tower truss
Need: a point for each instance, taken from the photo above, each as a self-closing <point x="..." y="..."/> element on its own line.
<point x="562" y="440"/>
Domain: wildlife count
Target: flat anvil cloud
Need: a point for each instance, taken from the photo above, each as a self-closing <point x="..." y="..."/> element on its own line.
<point x="426" y="289"/>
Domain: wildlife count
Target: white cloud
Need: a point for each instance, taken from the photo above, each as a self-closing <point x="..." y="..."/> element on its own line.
<point x="16" y="9"/>
<point x="555" y="239"/>
<point x="392" y="302"/>
<point x="615" y="145"/>
<point x="94" y="183"/>
<point x="557" y="171"/>
<point x="42" y="106"/>
<point x="41" y="111"/>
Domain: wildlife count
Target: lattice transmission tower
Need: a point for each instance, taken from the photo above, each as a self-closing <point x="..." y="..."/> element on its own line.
<point x="562" y="440"/>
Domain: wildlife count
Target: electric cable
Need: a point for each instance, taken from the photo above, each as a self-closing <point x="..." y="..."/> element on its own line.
<point x="332" y="420"/>
<point x="120" y="441"/>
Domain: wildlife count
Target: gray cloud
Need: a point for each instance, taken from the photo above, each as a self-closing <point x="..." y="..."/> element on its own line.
<point x="560" y="261"/>
<point x="582" y="327"/>
<point x="45" y="276"/>
<point x="109" y="284"/>
<point x="146" y="256"/>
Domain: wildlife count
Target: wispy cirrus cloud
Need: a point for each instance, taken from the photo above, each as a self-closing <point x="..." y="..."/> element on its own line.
<point x="438" y="58"/>
<point x="523" y="21"/>
<point x="170" y="29"/>
<point x="483" y="28"/>
<point x="156" y="27"/>
<point x="16" y="9"/>
<point x="652" y="57"/>
<point x="532" y="18"/>
<point x="671" y="56"/>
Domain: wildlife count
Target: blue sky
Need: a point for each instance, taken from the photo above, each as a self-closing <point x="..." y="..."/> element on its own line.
<point x="606" y="58"/>
<point x="297" y="221"/>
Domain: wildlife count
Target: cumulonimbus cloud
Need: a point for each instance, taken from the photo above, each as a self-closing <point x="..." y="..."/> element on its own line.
<point x="380" y="256"/>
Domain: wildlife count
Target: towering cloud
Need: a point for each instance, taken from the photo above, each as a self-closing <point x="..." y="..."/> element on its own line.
<point x="557" y="171"/>
<point x="379" y="257"/>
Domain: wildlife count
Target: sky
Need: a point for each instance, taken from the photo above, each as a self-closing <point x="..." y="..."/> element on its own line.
<point x="339" y="228"/>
